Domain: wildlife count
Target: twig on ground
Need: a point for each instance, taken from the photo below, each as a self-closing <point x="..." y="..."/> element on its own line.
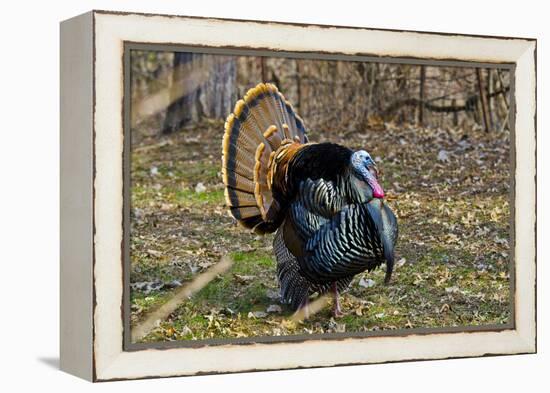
<point x="161" y="313"/>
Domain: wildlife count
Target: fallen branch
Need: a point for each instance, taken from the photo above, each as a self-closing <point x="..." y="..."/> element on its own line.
<point x="161" y="313"/>
<point x="469" y="104"/>
<point x="311" y="309"/>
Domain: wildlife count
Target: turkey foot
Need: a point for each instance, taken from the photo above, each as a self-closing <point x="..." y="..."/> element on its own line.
<point x="336" y="310"/>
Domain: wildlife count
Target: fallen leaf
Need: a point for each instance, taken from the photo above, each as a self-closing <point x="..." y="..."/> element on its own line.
<point x="443" y="156"/>
<point x="401" y="262"/>
<point x="272" y="294"/>
<point x="336" y="327"/>
<point x="170" y="331"/>
<point x="147" y="286"/>
<point x="186" y="330"/>
<point x="173" y="284"/>
<point x="200" y="188"/>
<point x="274" y="308"/>
<point x="154" y="253"/>
<point x="242" y="279"/>
<point x="288" y="324"/>
<point x="257" y="314"/>
<point x="366" y="283"/>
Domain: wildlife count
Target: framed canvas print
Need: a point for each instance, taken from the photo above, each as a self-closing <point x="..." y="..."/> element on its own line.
<point x="246" y="195"/>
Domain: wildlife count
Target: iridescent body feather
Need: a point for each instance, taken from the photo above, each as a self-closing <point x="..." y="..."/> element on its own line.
<point x="322" y="199"/>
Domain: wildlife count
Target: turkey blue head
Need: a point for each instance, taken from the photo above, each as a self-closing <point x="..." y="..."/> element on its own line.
<point x="365" y="167"/>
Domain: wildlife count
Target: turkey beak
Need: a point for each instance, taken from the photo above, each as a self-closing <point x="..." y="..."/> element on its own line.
<point x="373" y="169"/>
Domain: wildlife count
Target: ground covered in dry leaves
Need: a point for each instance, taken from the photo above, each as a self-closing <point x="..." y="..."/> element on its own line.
<point x="449" y="189"/>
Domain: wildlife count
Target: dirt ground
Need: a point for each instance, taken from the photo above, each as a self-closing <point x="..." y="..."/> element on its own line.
<point x="449" y="189"/>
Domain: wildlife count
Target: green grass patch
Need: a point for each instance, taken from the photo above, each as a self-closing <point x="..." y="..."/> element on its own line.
<point x="190" y="197"/>
<point x="246" y="262"/>
<point x="230" y="290"/>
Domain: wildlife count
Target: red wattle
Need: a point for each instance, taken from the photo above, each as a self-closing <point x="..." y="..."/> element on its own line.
<point x="377" y="190"/>
<point x="378" y="193"/>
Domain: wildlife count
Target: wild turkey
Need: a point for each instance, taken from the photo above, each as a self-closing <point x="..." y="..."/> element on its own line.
<point x="323" y="200"/>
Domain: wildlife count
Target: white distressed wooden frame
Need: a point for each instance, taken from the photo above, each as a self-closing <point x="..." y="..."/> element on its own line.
<point x="92" y="195"/>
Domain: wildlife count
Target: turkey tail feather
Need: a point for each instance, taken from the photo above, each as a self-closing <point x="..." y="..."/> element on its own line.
<point x="260" y="124"/>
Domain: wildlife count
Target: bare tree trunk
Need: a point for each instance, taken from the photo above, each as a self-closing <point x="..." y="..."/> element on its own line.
<point x="490" y="89"/>
<point x="201" y="86"/>
<point x="298" y="85"/>
<point x="421" y="95"/>
<point x="455" y="113"/>
<point x="483" y="95"/>
<point x="504" y="104"/>
<point x="371" y="81"/>
<point x="501" y="87"/>
<point x="263" y="67"/>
